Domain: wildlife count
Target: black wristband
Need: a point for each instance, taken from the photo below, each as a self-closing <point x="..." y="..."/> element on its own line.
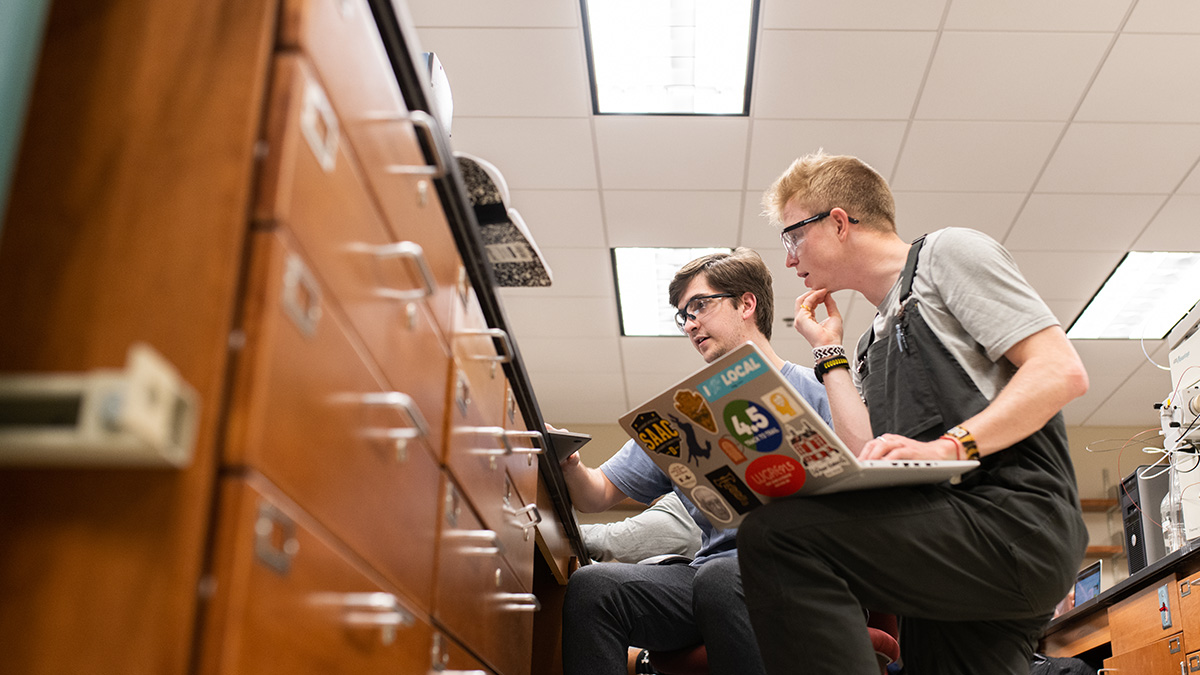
<point x="830" y="364"/>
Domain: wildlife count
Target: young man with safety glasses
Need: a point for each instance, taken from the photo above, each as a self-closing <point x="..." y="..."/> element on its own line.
<point x="723" y="301"/>
<point x="963" y="360"/>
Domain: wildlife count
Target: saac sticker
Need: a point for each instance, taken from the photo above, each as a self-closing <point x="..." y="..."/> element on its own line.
<point x="753" y="426"/>
<point x="775" y="475"/>
<point x="711" y="504"/>
<point x="819" y="458"/>
<point x="656" y="434"/>
<point x="733" y="489"/>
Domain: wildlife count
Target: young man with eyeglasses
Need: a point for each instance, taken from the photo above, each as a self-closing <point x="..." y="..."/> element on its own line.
<point x="963" y="360"/>
<point x="724" y="300"/>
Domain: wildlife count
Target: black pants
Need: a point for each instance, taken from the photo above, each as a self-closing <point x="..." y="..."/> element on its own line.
<point x="974" y="586"/>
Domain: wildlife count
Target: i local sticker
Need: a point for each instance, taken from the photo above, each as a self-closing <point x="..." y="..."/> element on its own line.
<point x="775" y="475"/>
<point x="753" y="426"/>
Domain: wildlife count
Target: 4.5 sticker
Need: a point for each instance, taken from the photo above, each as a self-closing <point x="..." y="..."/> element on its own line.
<point x="753" y="426"/>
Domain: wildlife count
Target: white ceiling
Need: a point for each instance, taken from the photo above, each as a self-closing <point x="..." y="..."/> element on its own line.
<point x="1067" y="130"/>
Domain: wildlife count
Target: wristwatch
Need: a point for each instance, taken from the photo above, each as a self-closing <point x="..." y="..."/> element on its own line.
<point x="966" y="439"/>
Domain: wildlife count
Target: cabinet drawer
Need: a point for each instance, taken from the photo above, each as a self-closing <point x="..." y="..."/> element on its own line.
<point x="477" y="597"/>
<point x="288" y="601"/>
<point x="1137" y="620"/>
<point x="316" y="193"/>
<point x="310" y="414"/>
<point x="1162" y="657"/>
<point x="523" y="465"/>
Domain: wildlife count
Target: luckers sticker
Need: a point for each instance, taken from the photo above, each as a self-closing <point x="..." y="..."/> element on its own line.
<point x="753" y="426"/>
<point x="775" y="475"/>
<point x="724" y="382"/>
<point x="733" y="489"/>
<point x="782" y="404"/>
<point x="656" y="434"/>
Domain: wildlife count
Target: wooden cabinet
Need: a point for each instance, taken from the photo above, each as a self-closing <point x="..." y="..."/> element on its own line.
<point x="1145" y="617"/>
<point x="1161" y="657"/>
<point x="259" y="204"/>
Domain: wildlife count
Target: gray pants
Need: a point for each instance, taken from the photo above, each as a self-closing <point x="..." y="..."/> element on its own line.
<point x="612" y="606"/>
<point x="972" y="600"/>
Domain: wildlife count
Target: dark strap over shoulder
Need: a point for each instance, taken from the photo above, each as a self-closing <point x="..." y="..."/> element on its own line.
<point x="910" y="269"/>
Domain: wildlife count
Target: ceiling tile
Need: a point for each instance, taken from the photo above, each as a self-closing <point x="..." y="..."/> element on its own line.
<point x="775" y="144"/>
<point x="577" y="273"/>
<point x="877" y="74"/>
<point x="1010" y="76"/>
<point x="1174" y="228"/>
<point x="561" y="218"/>
<point x="576" y="355"/>
<point x="656" y="218"/>
<point x="1132" y="402"/>
<point x="865" y="14"/>
<point x="489" y="13"/>
<point x="757" y="232"/>
<point x="672" y="355"/>
<point x="532" y="153"/>
<point x="974" y="156"/>
<point x="1191" y="185"/>
<point x="528" y="72"/>
<point x="671" y="152"/>
<point x="1122" y="158"/>
<point x="1037" y="15"/>
<point x="561" y="317"/>
<point x="1066" y="310"/>
<point x="1066" y="275"/>
<point x="1052" y="222"/>
<point x="1164" y="16"/>
<point x="920" y="213"/>
<point x="1110" y="364"/>
<point x="1146" y="78"/>
<point x="567" y="399"/>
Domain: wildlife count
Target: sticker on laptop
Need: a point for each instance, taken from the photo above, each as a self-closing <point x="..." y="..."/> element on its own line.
<point x="819" y="458"/>
<point x="696" y="450"/>
<point x="682" y="475"/>
<point x="711" y="504"/>
<point x="784" y="406"/>
<point x="734" y="491"/>
<point x="725" y="382"/>
<point x="731" y="450"/>
<point x="775" y="475"/>
<point x="656" y="434"/>
<point x="693" y="406"/>
<point x="753" y="426"/>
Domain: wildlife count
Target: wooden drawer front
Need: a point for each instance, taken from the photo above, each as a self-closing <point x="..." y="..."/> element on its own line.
<point x="553" y="544"/>
<point x="309" y="414"/>
<point x="479" y="353"/>
<point x="1189" y="604"/>
<point x="1163" y="657"/>
<point x="376" y="280"/>
<point x="287" y="601"/>
<point x="522" y="465"/>
<point x="453" y="658"/>
<point x="478" y="599"/>
<point x="1136" y="621"/>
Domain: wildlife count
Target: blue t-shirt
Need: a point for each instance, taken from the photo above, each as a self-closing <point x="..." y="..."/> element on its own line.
<point x="635" y="474"/>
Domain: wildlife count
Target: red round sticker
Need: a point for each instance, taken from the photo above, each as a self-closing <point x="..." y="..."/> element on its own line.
<point x="775" y="475"/>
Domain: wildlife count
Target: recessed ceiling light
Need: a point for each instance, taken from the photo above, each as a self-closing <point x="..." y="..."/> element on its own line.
<point x="684" y="57"/>
<point x="1143" y="298"/>
<point x="643" y="276"/>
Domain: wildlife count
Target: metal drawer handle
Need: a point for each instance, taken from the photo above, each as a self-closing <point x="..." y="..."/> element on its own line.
<point x="504" y="435"/>
<point x="301" y="296"/>
<point x="413" y="252"/>
<point x="319" y="126"/>
<point x="474" y="538"/>
<point x="426" y="124"/>
<point x="506" y="355"/>
<point x="519" y="602"/>
<point x="371" y="610"/>
<point x="534" y="514"/>
<point x="534" y="435"/>
<point x="405" y="404"/>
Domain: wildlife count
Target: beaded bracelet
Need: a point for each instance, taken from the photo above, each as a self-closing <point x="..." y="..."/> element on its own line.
<point x="822" y="353"/>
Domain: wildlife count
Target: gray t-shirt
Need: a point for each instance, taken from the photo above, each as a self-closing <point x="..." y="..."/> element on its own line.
<point x="664" y="528"/>
<point x="635" y="474"/>
<point x="975" y="300"/>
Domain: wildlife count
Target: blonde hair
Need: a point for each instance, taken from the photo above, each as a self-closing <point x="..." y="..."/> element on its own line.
<point x="820" y="182"/>
<point x="742" y="271"/>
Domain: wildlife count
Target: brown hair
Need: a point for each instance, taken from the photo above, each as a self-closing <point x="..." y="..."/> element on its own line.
<point x="742" y="271"/>
<point x="820" y="182"/>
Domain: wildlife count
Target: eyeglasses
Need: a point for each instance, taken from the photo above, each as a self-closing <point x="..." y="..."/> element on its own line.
<point x="792" y="235"/>
<point x="696" y="307"/>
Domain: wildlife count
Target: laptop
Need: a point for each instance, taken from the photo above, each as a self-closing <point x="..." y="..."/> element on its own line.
<point x="1087" y="583"/>
<point x="736" y="434"/>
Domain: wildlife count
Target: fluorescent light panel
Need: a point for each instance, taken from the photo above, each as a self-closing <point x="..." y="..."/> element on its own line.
<point x="1144" y="297"/>
<point x="643" y="278"/>
<point x="670" y="56"/>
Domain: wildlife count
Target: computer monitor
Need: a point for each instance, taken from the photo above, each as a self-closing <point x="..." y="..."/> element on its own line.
<point x="1087" y="583"/>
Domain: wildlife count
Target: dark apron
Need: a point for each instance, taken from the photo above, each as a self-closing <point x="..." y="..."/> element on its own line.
<point x="913" y="386"/>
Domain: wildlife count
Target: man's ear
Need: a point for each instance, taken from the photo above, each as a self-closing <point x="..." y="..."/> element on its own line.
<point x="749" y="305"/>
<point x="842" y="220"/>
